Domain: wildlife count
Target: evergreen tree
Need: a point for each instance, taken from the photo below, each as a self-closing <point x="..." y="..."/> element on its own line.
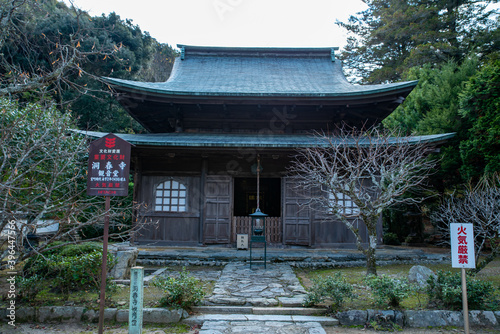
<point x="51" y="52"/>
<point x="392" y="35"/>
<point x="480" y="106"/>
<point x="432" y="108"/>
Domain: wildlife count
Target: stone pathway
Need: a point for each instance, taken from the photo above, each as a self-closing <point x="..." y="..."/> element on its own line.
<point x="239" y="285"/>
<point x="257" y="327"/>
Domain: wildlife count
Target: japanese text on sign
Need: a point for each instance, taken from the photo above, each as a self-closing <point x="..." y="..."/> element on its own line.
<point x="136" y="300"/>
<point x="108" y="172"/>
<point x="135" y="295"/>
<point x="462" y="246"/>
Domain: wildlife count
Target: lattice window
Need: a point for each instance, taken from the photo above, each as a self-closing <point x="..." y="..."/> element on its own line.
<point x="345" y="203"/>
<point x="171" y="196"/>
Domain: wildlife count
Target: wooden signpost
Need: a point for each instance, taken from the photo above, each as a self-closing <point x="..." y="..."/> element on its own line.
<point x="462" y="256"/>
<point x="108" y="175"/>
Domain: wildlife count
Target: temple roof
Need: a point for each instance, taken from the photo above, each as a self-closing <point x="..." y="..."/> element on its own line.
<point x="233" y="140"/>
<point x="215" y="72"/>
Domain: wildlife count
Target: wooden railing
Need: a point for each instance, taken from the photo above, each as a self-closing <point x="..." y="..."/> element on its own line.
<point x="274" y="227"/>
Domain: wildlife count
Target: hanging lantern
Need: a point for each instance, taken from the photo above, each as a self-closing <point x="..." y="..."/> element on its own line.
<point x="258" y="225"/>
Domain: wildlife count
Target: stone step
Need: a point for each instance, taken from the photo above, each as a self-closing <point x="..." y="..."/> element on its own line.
<point x="259" y="310"/>
<point x="200" y="319"/>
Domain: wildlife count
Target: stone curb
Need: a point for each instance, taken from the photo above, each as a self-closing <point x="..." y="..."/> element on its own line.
<point x="409" y="319"/>
<point x="148" y="259"/>
<point x="418" y="319"/>
<point x="72" y="314"/>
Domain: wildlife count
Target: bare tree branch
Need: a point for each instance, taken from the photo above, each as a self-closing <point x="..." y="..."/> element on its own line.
<point x="479" y="205"/>
<point x="62" y="54"/>
<point x="43" y="168"/>
<point x="357" y="174"/>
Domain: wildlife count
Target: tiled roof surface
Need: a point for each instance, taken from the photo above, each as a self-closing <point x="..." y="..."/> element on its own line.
<point x="211" y="71"/>
<point x="237" y="140"/>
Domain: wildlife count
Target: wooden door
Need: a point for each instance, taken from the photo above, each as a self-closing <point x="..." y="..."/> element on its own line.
<point x="217" y="221"/>
<point x="297" y="216"/>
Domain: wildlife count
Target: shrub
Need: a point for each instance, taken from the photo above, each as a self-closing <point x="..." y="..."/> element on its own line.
<point x="69" y="273"/>
<point x="66" y="250"/>
<point x="334" y="288"/>
<point x="79" y="249"/>
<point x="82" y="272"/>
<point x="182" y="292"/>
<point x="445" y="289"/>
<point x="387" y="290"/>
<point x="28" y="287"/>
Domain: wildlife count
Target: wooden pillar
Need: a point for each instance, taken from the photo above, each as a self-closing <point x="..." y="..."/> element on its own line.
<point x="136" y="193"/>
<point x="203" y="178"/>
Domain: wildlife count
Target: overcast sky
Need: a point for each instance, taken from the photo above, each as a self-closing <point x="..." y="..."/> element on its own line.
<point x="281" y="23"/>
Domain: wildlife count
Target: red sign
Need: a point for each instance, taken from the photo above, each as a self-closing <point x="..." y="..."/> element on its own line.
<point x="109" y="167"/>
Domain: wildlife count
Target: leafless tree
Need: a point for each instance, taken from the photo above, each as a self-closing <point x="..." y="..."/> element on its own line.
<point x="479" y="205"/>
<point x="355" y="175"/>
<point x="43" y="168"/>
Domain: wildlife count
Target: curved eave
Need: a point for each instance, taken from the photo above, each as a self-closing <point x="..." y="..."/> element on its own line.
<point x="210" y="140"/>
<point x="137" y="91"/>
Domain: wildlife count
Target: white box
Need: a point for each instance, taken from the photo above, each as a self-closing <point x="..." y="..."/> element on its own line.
<point x="242" y="241"/>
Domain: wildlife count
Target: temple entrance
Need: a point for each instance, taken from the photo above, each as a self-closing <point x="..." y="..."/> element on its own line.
<point x="245" y="203"/>
<point x="245" y="196"/>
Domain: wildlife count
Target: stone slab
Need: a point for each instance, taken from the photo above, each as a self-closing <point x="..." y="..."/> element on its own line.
<point x="420" y="319"/>
<point x="289" y="310"/>
<point x="200" y="319"/>
<point x="292" y="301"/>
<point x="122" y="316"/>
<point x="222" y="309"/>
<point x="60" y="314"/>
<point x="483" y="319"/>
<point x="161" y="315"/>
<point x="353" y="318"/>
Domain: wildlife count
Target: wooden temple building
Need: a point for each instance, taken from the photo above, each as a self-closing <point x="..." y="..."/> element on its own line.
<point x="222" y="108"/>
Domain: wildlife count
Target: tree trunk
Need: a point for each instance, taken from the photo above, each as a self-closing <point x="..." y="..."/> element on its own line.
<point x="371" y="262"/>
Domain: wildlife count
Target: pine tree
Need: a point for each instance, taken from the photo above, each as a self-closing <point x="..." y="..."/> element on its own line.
<point x="392" y="36"/>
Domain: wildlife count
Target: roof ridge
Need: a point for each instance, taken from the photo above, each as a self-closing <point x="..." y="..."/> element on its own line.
<point x="255" y="51"/>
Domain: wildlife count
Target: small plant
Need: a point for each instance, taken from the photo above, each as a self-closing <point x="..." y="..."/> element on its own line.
<point x="445" y="289"/>
<point x="334" y="288"/>
<point x="384" y="325"/>
<point x="28" y="287"/>
<point x="387" y="290"/>
<point x="182" y="292"/>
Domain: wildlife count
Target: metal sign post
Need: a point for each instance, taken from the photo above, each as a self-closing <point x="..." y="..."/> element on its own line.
<point x="462" y="256"/>
<point x="108" y="175"/>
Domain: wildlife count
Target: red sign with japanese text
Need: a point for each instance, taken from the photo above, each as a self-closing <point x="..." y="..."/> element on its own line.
<point x="462" y="246"/>
<point x="109" y="167"/>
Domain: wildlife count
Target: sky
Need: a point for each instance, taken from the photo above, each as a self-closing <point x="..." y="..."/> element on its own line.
<point x="266" y="23"/>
